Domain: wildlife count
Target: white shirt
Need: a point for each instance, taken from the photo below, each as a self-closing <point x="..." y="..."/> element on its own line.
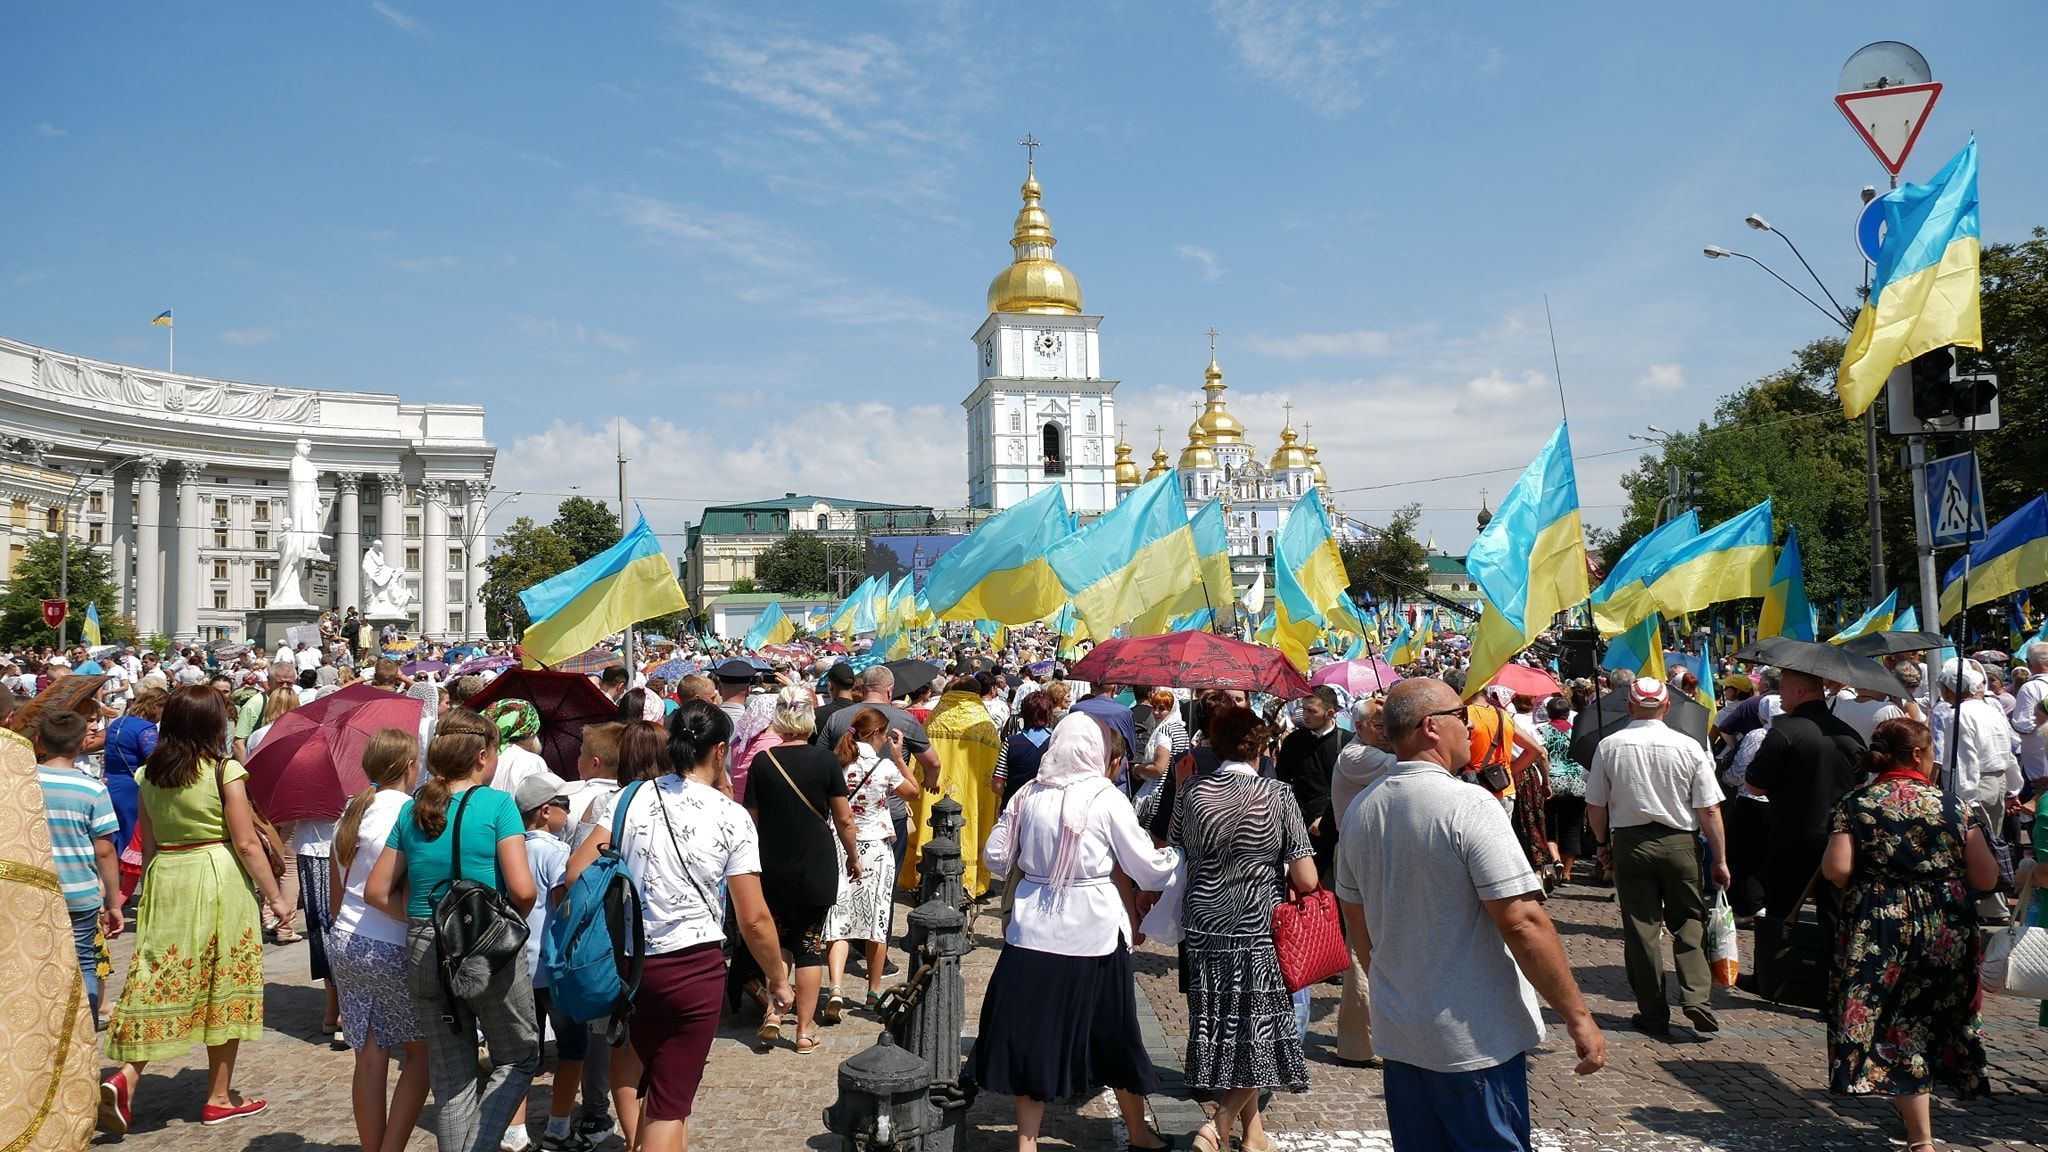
<point x="1089" y="920"/>
<point x="680" y="898"/>
<point x="313" y="838"/>
<point x="1648" y="774"/>
<point x="1863" y="715"/>
<point x="1986" y="770"/>
<point x="589" y="804"/>
<point x="2033" y="741"/>
<point x="307" y="659"/>
<point x="351" y="913"/>
<point x="514" y="765"/>
<point x="548" y="859"/>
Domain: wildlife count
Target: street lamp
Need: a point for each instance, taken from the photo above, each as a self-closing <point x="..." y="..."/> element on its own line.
<point x="472" y="539"/>
<point x="1716" y="252"/>
<point x="64" y="537"/>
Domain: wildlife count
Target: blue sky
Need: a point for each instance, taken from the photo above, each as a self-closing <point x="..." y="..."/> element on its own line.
<point x="762" y="235"/>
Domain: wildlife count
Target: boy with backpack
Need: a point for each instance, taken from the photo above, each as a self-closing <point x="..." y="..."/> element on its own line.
<point x="82" y="827"/>
<point x="545" y="811"/>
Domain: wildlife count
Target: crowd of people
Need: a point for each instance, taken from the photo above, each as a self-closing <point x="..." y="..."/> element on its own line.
<point x="770" y="814"/>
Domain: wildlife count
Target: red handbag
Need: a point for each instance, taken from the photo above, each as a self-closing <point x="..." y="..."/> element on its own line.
<point x="1309" y="936"/>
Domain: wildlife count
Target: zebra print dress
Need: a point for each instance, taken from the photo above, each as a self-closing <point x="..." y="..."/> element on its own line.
<point x="1239" y="831"/>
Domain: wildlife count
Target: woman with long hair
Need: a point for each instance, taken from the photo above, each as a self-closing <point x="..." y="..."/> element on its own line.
<point x="197" y="971"/>
<point x="416" y="866"/>
<point x="367" y="950"/>
<point x="1902" y="997"/>
<point x="681" y="838"/>
<point x="870" y="755"/>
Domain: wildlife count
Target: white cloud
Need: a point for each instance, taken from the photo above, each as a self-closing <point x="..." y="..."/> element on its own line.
<point x="1202" y="258"/>
<point x="736" y="236"/>
<point x="1498" y="385"/>
<point x="1302" y="345"/>
<point x="1311" y="50"/>
<point x="399" y="20"/>
<point x="550" y="330"/>
<point x="423" y="263"/>
<point x="248" y="335"/>
<point x="51" y="131"/>
<point x="1663" y="378"/>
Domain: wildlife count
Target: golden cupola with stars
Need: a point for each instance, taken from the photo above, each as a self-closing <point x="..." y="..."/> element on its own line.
<point x="1034" y="281"/>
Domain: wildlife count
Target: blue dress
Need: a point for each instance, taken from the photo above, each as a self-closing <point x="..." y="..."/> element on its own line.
<point x="130" y="740"/>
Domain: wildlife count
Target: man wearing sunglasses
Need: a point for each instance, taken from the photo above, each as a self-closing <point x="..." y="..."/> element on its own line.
<point x="1446" y="916"/>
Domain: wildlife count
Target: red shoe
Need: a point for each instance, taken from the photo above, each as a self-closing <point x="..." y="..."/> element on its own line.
<point x="211" y="1114"/>
<point x="114" y="1113"/>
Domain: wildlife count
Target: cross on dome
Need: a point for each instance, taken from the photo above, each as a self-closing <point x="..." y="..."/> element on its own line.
<point x="1031" y="146"/>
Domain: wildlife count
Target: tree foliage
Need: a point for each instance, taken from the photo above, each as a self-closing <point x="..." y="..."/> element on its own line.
<point x="2015" y="458"/>
<point x="796" y="565"/>
<point x="35" y="579"/>
<point x="523" y="555"/>
<point x="587" y="526"/>
<point x="1381" y="564"/>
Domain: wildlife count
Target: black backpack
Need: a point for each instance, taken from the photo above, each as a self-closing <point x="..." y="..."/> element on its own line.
<point x="476" y="930"/>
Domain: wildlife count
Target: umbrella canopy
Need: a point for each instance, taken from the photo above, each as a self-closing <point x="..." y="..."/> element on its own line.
<point x="1523" y="680"/>
<point x="590" y="663"/>
<point x="1606" y="715"/>
<point x="566" y="702"/>
<point x="1192" y="660"/>
<point x="1040" y="667"/>
<point x="486" y="664"/>
<point x="1992" y="656"/>
<point x="912" y="674"/>
<point x="311" y="761"/>
<point x="466" y="650"/>
<point x="1885" y="643"/>
<point x="673" y="670"/>
<point x="399" y="646"/>
<point x="1358" y="677"/>
<point x="1827" y="661"/>
<point x="423" y="667"/>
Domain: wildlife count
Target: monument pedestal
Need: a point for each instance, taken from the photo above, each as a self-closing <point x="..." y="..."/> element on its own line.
<point x="373" y="626"/>
<point x="266" y="626"/>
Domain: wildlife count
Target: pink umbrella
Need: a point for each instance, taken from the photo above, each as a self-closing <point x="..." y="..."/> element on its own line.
<point x="1523" y="680"/>
<point x="1359" y="677"/>
<point x="312" y="760"/>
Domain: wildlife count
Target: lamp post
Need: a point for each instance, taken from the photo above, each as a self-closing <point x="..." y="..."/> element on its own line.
<point x="472" y="539"/>
<point x="64" y="539"/>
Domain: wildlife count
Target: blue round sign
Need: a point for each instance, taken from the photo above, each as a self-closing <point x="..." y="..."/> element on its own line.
<point x="1870" y="228"/>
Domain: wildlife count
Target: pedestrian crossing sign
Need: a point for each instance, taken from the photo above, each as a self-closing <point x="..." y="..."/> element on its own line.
<point x="1955" y="500"/>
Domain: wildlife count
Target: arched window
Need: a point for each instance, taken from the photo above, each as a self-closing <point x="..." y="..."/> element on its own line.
<point x="824" y="521"/>
<point x="1091" y="423"/>
<point x="1016" y="421"/>
<point x="1055" y="458"/>
<point x="1269" y="543"/>
<point x="1190" y="482"/>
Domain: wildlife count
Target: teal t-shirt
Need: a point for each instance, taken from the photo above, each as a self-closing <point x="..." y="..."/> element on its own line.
<point x="490" y="817"/>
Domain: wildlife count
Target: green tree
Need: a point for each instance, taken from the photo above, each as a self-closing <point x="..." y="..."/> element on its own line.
<point x="1380" y="565"/>
<point x="523" y="555"/>
<point x="35" y="579"/>
<point x="799" y="564"/>
<point x="743" y="586"/>
<point x="587" y="526"/>
<point x="2015" y="458"/>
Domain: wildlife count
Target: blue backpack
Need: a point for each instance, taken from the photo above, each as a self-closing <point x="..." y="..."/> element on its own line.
<point x="596" y="941"/>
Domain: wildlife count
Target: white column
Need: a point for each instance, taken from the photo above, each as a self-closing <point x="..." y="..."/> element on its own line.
<point x="121" y="538"/>
<point x="149" y="580"/>
<point x="348" y="542"/>
<point x="186" y="530"/>
<point x="391" y="517"/>
<point x="434" y="558"/>
<point x="476" y="544"/>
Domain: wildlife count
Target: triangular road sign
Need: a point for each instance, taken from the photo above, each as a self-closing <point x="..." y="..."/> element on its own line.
<point x="1890" y="119"/>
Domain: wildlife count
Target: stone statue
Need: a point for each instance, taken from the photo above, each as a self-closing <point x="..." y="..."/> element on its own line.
<point x="291" y="560"/>
<point x="302" y="499"/>
<point x="385" y="585"/>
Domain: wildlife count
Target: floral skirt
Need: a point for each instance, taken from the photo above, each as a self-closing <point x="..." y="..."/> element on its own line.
<point x="863" y="910"/>
<point x="1903" y="1004"/>
<point x="376" y="1002"/>
<point x="197" y="972"/>
<point x="1241" y="1028"/>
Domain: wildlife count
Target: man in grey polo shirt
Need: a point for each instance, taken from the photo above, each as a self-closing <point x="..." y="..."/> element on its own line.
<point x="1464" y="946"/>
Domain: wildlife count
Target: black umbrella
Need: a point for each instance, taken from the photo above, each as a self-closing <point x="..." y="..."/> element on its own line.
<point x="1603" y="717"/>
<point x="1827" y="661"/>
<point x="911" y="675"/>
<point x="1878" y="644"/>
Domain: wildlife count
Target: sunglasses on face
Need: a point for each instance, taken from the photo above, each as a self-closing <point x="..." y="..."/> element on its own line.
<point x="1463" y="713"/>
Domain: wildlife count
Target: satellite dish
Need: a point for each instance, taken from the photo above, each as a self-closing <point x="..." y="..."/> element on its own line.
<point x="1885" y="64"/>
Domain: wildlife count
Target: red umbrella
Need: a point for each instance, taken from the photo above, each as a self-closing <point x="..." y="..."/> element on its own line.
<point x="311" y="761"/>
<point x="1192" y="660"/>
<point x="566" y="702"/>
<point x="1523" y="680"/>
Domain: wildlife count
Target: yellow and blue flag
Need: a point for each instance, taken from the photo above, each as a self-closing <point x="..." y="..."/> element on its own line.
<point x="1405" y="648"/>
<point x="1878" y="619"/>
<point x="1730" y="561"/>
<point x="902" y="605"/>
<point x="773" y="627"/>
<point x="1925" y="292"/>
<point x="1641" y="648"/>
<point x="1209" y="582"/>
<point x="1529" y="562"/>
<point x="1908" y="621"/>
<point x="841" y="621"/>
<point x="1292" y="637"/>
<point x="89" y="632"/>
<point x="626" y="583"/>
<point x="1785" y="611"/>
<point x="1000" y="572"/>
<point x="1310" y="569"/>
<point x="1623" y="599"/>
<point x="2012" y="556"/>
<point x="1134" y="559"/>
<point x="163" y="319"/>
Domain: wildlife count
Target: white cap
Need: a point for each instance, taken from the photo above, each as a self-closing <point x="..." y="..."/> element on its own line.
<point x="1971" y="672"/>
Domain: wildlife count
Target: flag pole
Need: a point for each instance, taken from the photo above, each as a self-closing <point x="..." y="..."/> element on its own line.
<point x="619" y="431"/>
<point x="173" y="326"/>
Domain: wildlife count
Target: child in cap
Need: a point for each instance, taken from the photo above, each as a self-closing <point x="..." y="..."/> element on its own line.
<point x="544" y="807"/>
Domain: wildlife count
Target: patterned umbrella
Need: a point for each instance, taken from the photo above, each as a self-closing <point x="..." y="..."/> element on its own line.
<point x="566" y="702"/>
<point x="486" y="664"/>
<point x="590" y="663"/>
<point x="1358" y="677"/>
<point x="312" y="760"/>
<point x="673" y="670"/>
<point x="1192" y="660"/>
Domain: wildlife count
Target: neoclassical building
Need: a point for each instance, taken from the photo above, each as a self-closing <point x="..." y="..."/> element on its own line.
<point x="181" y="481"/>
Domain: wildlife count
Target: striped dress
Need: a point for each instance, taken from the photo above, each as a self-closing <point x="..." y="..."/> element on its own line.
<point x="1240" y="831"/>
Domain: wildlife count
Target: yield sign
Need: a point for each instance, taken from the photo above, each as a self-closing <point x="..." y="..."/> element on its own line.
<point x="1889" y="119"/>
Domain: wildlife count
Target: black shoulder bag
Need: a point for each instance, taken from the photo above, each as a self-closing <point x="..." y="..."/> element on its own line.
<point x="476" y="930"/>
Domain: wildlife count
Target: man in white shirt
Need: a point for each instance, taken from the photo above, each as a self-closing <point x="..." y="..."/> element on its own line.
<point x="1986" y="771"/>
<point x="307" y="658"/>
<point x="1649" y="794"/>
<point x="2026" y="712"/>
<point x="1863" y="711"/>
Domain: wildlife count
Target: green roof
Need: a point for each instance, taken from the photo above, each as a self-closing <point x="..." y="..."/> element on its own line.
<point x="1447" y="565"/>
<point x="774" y="515"/>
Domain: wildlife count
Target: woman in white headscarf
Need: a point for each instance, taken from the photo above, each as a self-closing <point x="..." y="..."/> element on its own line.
<point x="1060" y="1018"/>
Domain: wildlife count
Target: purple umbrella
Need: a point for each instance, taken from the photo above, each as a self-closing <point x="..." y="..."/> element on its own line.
<point x="486" y="664"/>
<point x="423" y="667"/>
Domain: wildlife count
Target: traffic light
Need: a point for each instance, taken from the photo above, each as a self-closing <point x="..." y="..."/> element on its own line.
<point x="1940" y="394"/>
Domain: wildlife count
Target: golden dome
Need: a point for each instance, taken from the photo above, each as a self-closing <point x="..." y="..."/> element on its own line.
<point x="1290" y="455"/>
<point x="1218" y="426"/>
<point x="1197" y="454"/>
<point x="1315" y="466"/>
<point x="1034" y="281"/>
<point x="1126" y="468"/>
<point x="1159" y="467"/>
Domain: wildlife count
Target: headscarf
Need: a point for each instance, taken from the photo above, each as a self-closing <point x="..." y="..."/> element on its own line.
<point x="1074" y="765"/>
<point x="516" y="720"/>
<point x="755" y="718"/>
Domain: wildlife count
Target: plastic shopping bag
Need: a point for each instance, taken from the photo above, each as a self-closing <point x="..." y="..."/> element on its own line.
<point x="1722" y="954"/>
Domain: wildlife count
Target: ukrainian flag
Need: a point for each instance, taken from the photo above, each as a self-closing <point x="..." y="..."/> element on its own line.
<point x="89" y="632"/>
<point x="1640" y="648"/>
<point x="1134" y="559"/>
<point x="773" y="627"/>
<point x="1878" y="619"/>
<point x="1730" y="561"/>
<point x="1908" y="621"/>
<point x="1530" y="561"/>
<point x="841" y="621"/>
<point x="1000" y="572"/>
<point x="1925" y="292"/>
<point x="1406" y="648"/>
<point x="902" y="605"/>
<point x="2012" y="556"/>
<point x="1312" y="569"/>
<point x="1292" y="637"/>
<point x="1623" y="599"/>
<point x="1210" y="589"/>
<point x="626" y="583"/>
<point x="1786" y="612"/>
<point x="163" y="319"/>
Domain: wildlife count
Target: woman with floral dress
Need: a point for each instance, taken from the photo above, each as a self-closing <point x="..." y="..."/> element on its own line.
<point x="1902" y="1003"/>
<point x="871" y="757"/>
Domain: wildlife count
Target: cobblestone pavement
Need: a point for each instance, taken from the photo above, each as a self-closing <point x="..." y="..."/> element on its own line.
<point x="1759" y="1087"/>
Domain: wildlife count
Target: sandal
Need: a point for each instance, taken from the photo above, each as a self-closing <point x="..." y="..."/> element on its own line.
<point x="806" y="1043"/>
<point x="770" y="1032"/>
<point x="874" y="998"/>
<point x="1206" y="1138"/>
<point x="835" y="1006"/>
<point x="1163" y="1145"/>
